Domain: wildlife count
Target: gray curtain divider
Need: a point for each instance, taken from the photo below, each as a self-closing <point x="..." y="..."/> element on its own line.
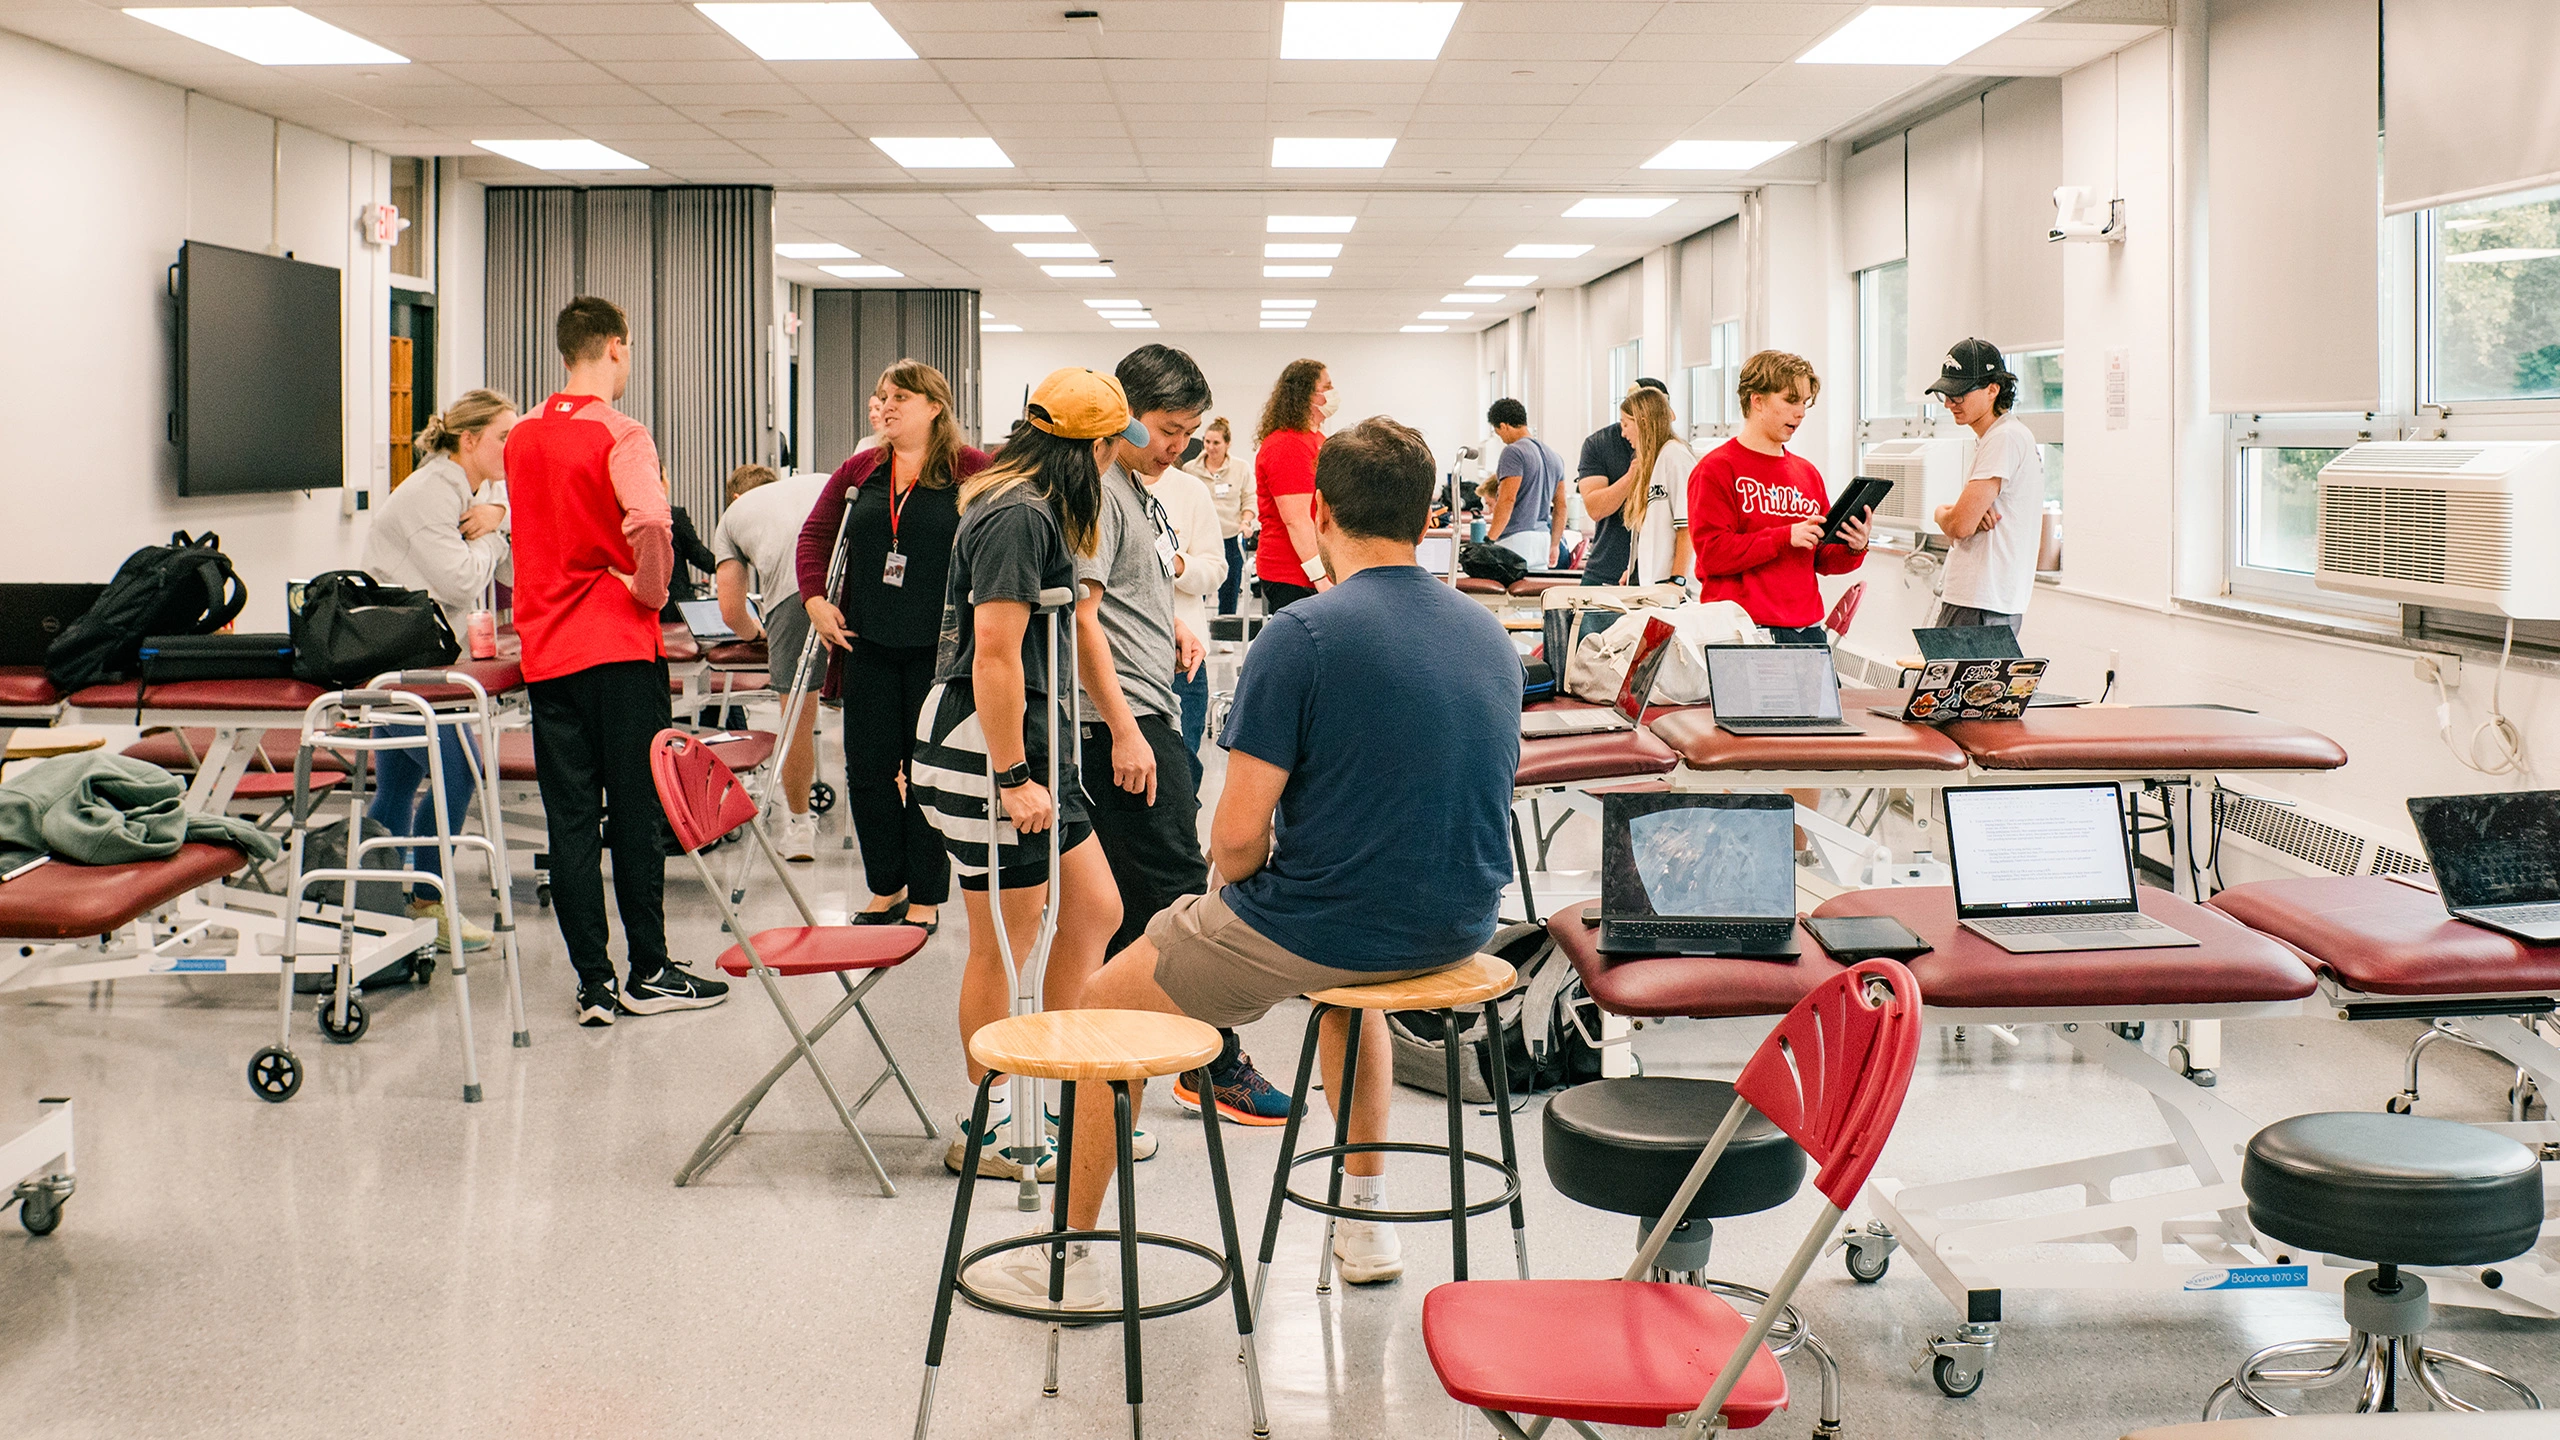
<point x="693" y="268"/>
<point x="856" y="334"/>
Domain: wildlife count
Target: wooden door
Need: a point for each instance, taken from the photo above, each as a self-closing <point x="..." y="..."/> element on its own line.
<point x="403" y="427"/>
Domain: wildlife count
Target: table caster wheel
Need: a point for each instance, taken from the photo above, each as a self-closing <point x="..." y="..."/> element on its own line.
<point x="274" y="1075"/>
<point x="822" y="797"/>
<point x="1865" y="1270"/>
<point x="1954" y="1381"/>
<point x="542" y="895"/>
<point x="2401" y="1104"/>
<point x="422" y="967"/>
<point x="357" y="1021"/>
<point x="40" y="1210"/>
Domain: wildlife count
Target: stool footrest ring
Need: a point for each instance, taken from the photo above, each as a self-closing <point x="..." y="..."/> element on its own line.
<point x="1107" y="1315"/>
<point x="1510" y="1183"/>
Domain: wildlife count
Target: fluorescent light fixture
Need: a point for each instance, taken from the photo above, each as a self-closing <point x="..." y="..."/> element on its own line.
<point x="1307" y="224"/>
<point x="1619" y="207"/>
<point x="1471" y="297"/>
<point x="1446" y="315"/>
<point x="1057" y="249"/>
<point x="1284" y="324"/>
<point x="1301" y="251"/>
<point x="999" y="329"/>
<point x="1422" y="329"/>
<point x="271" y="35"/>
<point x="1288" y="304"/>
<point x="823" y="250"/>
<point x="1718" y="154"/>
<point x="1116" y="304"/>
<point x="1078" y="272"/>
<point x="1028" y="224"/>
<point x="811" y="32"/>
<point x="1502" y="282"/>
<point x="1288" y="153"/>
<point x="2499" y="256"/>
<point x="1350" y="30"/>
<point x="562" y="154"/>
<point x="943" y="152"/>
<point x="1916" y="34"/>
<point x="863" y="272"/>
<point x="1546" y="252"/>
<point x="1134" y="325"/>
<point x="1296" y="272"/>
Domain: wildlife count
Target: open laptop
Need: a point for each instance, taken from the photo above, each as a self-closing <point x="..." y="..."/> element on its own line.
<point x="1694" y="874"/>
<point x="1967" y="690"/>
<point x="1634" y="692"/>
<point x="1437" y="554"/>
<point x="2497" y="859"/>
<point x="702" y="617"/>
<point x="1982" y="642"/>
<point x="1775" y="690"/>
<point x="2041" y="868"/>
<point x="33" y="612"/>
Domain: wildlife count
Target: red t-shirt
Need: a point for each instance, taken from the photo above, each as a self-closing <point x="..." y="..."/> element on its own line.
<point x="1741" y="504"/>
<point x="586" y="500"/>
<point x="1284" y="465"/>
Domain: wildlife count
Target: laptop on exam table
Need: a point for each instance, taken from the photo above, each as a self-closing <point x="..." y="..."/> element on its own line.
<point x="1633" y="692"/>
<point x="2496" y="858"/>
<point x="1775" y="690"/>
<point x="2040" y="868"/>
<point x="33" y="612"/>
<point x="1695" y="874"/>
<point x="1983" y="642"/>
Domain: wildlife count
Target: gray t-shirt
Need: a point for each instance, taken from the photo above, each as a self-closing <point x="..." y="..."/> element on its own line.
<point x="1137" y="597"/>
<point x="762" y="530"/>
<point x="1540" y="472"/>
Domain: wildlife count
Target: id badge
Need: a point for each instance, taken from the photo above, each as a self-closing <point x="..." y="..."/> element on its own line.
<point x="1164" y="553"/>
<point x="1224" y="489"/>
<point x="894" y="573"/>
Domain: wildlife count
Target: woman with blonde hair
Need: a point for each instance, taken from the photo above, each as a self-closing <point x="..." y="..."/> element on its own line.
<point x="884" y="621"/>
<point x="438" y="534"/>
<point x="1229" y="477"/>
<point x="1024" y="522"/>
<point x="1656" y="503"/>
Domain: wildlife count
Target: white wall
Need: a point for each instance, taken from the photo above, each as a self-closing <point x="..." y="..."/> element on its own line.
<point x="106" y="174"/>
<point x="1425" y="381"/>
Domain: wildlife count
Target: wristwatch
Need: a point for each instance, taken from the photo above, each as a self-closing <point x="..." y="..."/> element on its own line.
<point x="1014" y="776"/>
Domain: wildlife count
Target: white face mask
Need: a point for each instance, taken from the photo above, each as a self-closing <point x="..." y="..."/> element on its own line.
<point x="1331" y="404"/>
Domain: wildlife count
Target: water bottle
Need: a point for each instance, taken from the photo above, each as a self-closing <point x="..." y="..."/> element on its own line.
<point x="482" y="630"/>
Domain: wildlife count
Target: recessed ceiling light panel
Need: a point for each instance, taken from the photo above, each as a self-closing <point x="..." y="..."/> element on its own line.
<point x="1301" y="250"/>
<point x="1718" y="154"/>
<point x="562" y="154"/>
<point x="999" y="329"/>
<point x="1135" y="325"/>
<point x="1116" y="304"/>
<point x="1502" y="282"/>
<point x="1323" y="153"/>
<point x="823" y="250"/>
<point x="1446" y="315"/>
<point x="1619" y="207"/>
<point x="270" y="35"/>
<point x="1471" y="297"/>
<point x="1307" y="224"/>
<point x="1057" y="249"/>
<point x="1028" y="224"/>
<point x="1422" y="329"/>
<point x="1288" y="304"/>
<point x="1361" y="30"/>
<point x="944" y="152"/>
<point x="1916" y="34"/>
<point x="811" y="32"/>
<point x="1296" y="272"/>
<point x="1078" y="272"/>
<point x="863" y="272"/>
<point x="1546" y="252"/>
<point x="1284" y="324"/>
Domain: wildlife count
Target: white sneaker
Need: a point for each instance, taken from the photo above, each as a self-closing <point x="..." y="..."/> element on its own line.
<point x="473" y="937"/>
<point x="1366" y="1251"/>
<point x="797" y="837"/>
<point x="1021" y="1277"/>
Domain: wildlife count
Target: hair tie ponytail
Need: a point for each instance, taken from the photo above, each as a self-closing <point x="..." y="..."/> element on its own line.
<point x="433" y="438"/>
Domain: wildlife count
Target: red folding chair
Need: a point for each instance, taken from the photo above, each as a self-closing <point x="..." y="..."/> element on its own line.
<point x="1837" y="622"/>
<point x="1832" y="1076"/>
<point x="705" y="801"/>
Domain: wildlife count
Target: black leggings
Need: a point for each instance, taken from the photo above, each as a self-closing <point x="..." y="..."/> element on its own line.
<point x="884" y="690"/>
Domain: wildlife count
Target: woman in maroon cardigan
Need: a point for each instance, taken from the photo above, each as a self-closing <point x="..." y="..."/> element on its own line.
<point x="885" y="618"/>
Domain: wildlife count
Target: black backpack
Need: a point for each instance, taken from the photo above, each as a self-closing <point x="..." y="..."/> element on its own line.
<point x="186" y="587"/>
<point x="1498" y="563"/>
<point x="1548" y="1024"/>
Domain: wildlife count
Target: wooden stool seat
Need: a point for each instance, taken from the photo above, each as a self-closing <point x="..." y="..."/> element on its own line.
<point x="1470" y="982"/>
<point x="1096" y="1045"/>
<point x="47" y="744"/>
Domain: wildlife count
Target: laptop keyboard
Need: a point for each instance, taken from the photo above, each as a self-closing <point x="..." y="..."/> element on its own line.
<point x="2525" y="914"/>
<point x="1693" y="930"/>
<point x="1751" y="724"/>
<point x="2066" y="924"/>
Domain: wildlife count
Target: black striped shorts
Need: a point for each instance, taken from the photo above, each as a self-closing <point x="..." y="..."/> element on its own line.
<point x="948" y="781"/>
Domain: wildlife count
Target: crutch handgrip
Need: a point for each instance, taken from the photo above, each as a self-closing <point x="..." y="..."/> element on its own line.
<point x="1057" y="597"/>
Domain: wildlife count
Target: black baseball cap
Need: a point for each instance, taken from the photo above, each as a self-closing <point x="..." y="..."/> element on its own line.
<point x="1647" y="382"/>
<point x="1971" y="365"/>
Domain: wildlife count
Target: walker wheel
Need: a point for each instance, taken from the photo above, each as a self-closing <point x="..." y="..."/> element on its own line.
<point x="422" y="967"/>
<point x="1864" y="1271"/>
<point x="274" y="1075"/>
<point x="1954" y="1383"/>
<point x="2400" y="1104"/>
<point x="822" y="797"/>
<point x="326" y="1015"/>
<point x="40" y="1210"/>
<point x="542" y="894"/>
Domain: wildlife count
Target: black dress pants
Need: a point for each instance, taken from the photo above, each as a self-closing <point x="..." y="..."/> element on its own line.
<point x="884" y="690"/>
<point x="1153" y="850"/>
<point x="591" y="734"/>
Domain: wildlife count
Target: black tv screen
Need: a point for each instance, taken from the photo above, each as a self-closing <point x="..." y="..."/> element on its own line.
<point x="260" y="379"/>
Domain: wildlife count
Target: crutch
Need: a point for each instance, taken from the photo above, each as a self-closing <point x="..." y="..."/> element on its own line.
<point x="1023" y="980"/>
<point x="793" y="699"/>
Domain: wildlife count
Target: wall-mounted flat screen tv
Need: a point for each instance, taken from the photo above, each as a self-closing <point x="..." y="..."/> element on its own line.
<point x="260" y="377"/>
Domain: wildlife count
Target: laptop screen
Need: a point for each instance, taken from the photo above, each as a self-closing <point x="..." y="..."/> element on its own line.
<point x="1776" y="682"/>
<point x="1697" y="856"/>
<point x="702" y="617"/>
<point x="1433" y="553"/>
<point x="2039" y="848"/>
<point x="2492" y="849"/>
<point x="1651" y="649"/>
<point x="1968" y="642"/>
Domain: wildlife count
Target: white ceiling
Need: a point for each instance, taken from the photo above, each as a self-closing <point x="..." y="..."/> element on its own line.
<point x="1154" y="137"/>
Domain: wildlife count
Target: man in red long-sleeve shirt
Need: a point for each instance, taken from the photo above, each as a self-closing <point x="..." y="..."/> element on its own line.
<point x="594" y="548"/>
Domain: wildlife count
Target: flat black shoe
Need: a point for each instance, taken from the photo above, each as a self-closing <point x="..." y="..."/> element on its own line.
<point x="894" y="915"/>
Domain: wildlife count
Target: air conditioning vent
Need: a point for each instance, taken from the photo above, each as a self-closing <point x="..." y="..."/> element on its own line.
<point x="1925" y="475"/>
<point x="2430" y="456"/>
<point x="2285" y="828"/>
<point x="2390" y="860"/>
<point x="2437" y="524"/>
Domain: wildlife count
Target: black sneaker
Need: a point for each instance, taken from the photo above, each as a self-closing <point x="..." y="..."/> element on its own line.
<point x="671" y="989"/>
<point x="597" y="1002"/>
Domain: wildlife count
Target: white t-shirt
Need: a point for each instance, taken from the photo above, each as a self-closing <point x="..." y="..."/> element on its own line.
<point x="1666" y="509"/>
<point x="762" y="530"/>
<point x="1194" y="512"/>
<point x="1995" y="569"/>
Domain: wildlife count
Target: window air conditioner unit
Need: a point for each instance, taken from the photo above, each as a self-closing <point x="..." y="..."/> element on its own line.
<point x="1925" y="474"/>
<point x="2437" y="522"/>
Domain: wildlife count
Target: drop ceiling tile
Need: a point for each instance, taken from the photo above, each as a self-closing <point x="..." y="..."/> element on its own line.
<point x="410" y="21"/>
<point x="706" y="48"/>
<point x="610" y="19"/>
<point x="1004" y="119"/>
<point x="1556" y="17"/>
<point x="1021" y="72"/>
<point x="1505" y="92"/>
<point x="1205" y="129"/>
<point x="561" y="97"/>
<point x="494" y="73"/>
<point x="470" y="50"/>
<point x="694" y="72"/>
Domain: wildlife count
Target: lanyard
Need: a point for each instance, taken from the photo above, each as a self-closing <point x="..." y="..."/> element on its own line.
<point x="898" y="502"/>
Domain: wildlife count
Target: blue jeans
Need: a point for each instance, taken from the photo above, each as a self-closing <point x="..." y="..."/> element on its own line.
<point x="400" y="801"/>
<point x="1193" y="692"/>
<point x="1229" y="587"/>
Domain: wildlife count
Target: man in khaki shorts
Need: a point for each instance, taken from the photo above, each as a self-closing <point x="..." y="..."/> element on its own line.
<point x="1363" y="832"/>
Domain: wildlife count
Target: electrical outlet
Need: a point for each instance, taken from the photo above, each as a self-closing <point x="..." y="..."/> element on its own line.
<point x="2440" y="669"/>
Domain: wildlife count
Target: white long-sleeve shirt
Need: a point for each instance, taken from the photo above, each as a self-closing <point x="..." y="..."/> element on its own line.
<point x="1186" y="499"/>
<point x="416" y="542"/>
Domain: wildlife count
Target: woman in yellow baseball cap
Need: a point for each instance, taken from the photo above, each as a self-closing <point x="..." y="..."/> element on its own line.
<point x="1023" y="522"/>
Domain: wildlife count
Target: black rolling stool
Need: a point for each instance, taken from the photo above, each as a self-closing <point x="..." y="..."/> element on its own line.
<point x="1625" y="1146"/>
<point x="2393" y="1190"/>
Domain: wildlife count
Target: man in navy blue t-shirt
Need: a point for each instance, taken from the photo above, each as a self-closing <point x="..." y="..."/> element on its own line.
<point x="1363" y="831"/>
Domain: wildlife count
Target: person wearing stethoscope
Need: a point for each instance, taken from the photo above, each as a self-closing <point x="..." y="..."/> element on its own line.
<point x="885" y="623"/>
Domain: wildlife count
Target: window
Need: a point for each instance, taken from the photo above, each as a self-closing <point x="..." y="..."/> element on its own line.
<point x="410" y="255"/>
<point x="1713" y="410"/>
<point x="1884" y="343"/>
<point x="1622" y="373"/>
<point x="2492" y="289"/>
<point x="2039" y="375"/>
<point x="2280" y="505"/>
